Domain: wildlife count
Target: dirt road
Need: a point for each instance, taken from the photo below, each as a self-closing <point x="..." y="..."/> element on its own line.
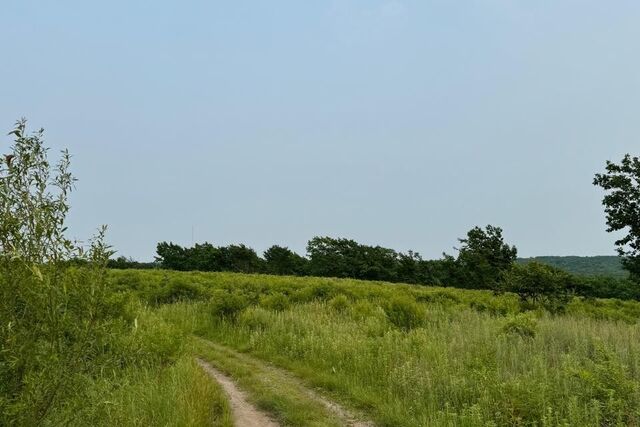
<point x="244" y="413"/>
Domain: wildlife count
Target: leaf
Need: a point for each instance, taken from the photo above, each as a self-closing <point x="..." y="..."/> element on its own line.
<point x="37" y="273"/>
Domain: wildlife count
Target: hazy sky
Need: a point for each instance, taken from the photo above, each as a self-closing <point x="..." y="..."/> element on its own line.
<point x="400" y="123"/>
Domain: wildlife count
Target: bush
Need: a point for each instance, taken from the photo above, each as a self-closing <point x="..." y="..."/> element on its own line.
<point x="339" y="303"/>
<point x="255" y="318"/>
<point x="177" y="290"/>
<point x="225" y="305"/>
<point x="523" y="324"/>
<point x="404" y="313"/>
<point x="444" y="297"/>
<point x="57" y="321"/>
<point x="316" y="292"/>
<point x="276" y="302"/>
<point x="363" y="309"/>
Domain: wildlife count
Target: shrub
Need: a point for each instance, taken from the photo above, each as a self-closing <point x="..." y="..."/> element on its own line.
<point x="57" y="321"/>
<point x="339" y="303"/>
<point x="363" y="309"/>
<point x="523" y="324"/>
<point x="443" y="297"/>
<point x="276" y="302"/>
<point x="315" y="292"/>
<point x="225" y="305"/>
<point x="404" y="313"/>
<point x="177" y="290"/>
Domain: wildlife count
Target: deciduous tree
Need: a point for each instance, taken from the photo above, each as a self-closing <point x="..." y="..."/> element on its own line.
<point x="621" y="181"/>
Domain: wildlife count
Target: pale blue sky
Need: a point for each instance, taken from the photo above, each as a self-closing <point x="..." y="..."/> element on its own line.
<point x="400" y="123"/>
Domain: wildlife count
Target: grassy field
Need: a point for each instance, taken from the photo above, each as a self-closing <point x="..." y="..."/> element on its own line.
<point x="155" y="381"/>
<point x="409" y="355"/>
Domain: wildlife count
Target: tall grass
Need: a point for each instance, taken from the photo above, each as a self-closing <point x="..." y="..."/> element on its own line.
<point x="180" y="395"/>
<point x="420" y="356"/>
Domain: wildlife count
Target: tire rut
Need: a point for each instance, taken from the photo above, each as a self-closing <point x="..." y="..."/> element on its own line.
<point x="244" y="413"/>
<point x="346" y="416"/>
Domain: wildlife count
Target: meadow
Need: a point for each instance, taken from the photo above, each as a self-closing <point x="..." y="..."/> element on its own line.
<point x="410" y="355"/>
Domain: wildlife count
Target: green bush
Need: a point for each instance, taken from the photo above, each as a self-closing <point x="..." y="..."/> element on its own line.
<point x="225" y="305"/>
<point x="177" y="290"/>
<point x="276" y="302"/>
<point x="76" y="345"/>
<point x="404" y="313"/>
<point x="59" y="324"/>
<point x="339" y="303"/>
<point x="362" y="309"/>
<point x="523" y="324"/>
<point x="313" y="292"/>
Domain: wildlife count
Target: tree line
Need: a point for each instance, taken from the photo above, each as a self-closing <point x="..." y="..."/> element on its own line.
<point x="483" y="261"/>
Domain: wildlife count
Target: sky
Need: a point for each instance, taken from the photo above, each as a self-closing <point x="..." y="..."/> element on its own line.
<point x="402" y="123"/>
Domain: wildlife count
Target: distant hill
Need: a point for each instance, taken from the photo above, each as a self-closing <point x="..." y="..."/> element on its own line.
<point x="583" y="265"/>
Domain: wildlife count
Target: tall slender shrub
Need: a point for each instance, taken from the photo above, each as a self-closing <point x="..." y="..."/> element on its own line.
<point x="53" y="317"/>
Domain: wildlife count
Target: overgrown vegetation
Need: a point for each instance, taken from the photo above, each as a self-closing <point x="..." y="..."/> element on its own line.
<point x="411" y="355"/>
<point x="74" y="351"/>
<point x="483" y="262"/>
<point x="85" y="345"/>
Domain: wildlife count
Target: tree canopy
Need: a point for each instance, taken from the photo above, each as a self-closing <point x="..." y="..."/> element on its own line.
<point x="621" y="181"/>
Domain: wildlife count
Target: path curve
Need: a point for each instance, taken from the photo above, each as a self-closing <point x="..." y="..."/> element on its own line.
<point x="244" y="413"/>
<point x="348" y="418"/>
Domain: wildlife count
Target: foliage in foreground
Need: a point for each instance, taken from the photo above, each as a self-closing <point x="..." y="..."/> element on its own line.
<point x="73" y="351"/>
<point x="423" y="356"/>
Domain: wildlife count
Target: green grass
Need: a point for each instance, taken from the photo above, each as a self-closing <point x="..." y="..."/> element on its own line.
<point x="159" y="384"/>
<point x="424" y="356"/>
<point x="270" y="389"/>
<point x="179" y="395"/>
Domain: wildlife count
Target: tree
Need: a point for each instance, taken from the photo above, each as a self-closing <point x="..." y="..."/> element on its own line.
<point x="622" y="206"/>
<point x="331" y="257"/>
<point x="241" y="259"/>
<point x="173" y="257"/>
<point x="483" y="258"/>
<point x="204" y="257"/>
<point x="283" y="261"/>
<point x="408" y="269"/>
<point x="540" y="284"/>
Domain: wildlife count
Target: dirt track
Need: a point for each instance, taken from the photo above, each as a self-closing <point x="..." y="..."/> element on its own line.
<point x="247" y="415"/>
<point x="244" y="413"/>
